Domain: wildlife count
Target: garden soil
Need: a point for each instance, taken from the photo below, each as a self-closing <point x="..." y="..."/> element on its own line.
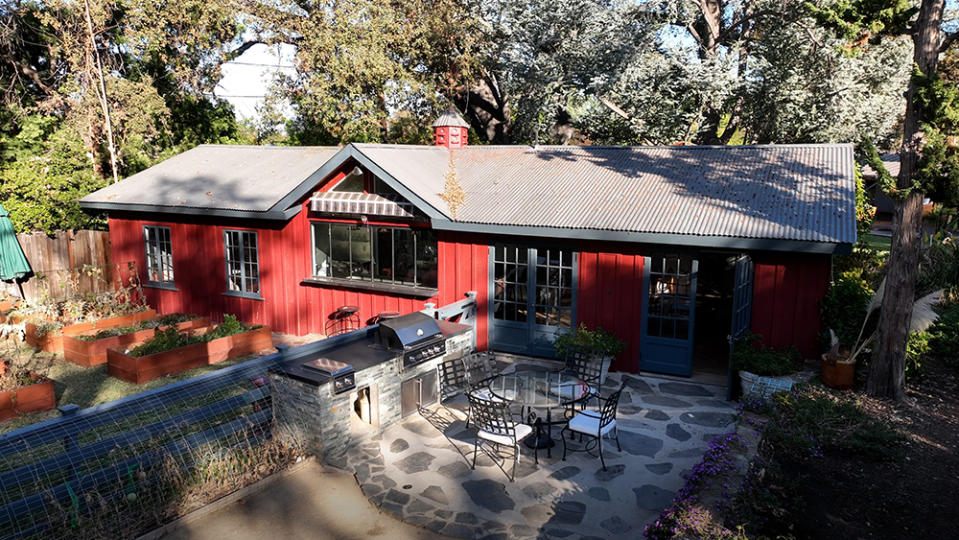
<point x="914" y="498"/>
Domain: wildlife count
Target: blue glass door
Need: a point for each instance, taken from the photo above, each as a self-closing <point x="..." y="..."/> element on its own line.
<point x="533" y="297"/>
<point x="669" y="309"/>
<point x="742" y="309"/>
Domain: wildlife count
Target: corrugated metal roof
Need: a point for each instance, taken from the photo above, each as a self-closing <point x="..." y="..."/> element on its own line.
<point x="783" y="192"/>
<point x="890" y="161"/>
<point x="223" y="177"/>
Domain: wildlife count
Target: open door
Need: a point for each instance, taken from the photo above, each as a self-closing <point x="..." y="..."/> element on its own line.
<point x="742" y="311"/>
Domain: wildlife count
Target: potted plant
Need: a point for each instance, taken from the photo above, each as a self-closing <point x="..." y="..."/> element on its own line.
<point x="601" y="341"/>
<point x="753" y="360"/>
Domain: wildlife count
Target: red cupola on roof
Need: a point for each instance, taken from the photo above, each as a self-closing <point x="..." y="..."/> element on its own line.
<point x="450" y="130"/>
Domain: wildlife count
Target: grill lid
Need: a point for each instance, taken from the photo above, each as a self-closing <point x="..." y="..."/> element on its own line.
<point x="408" y="331"/>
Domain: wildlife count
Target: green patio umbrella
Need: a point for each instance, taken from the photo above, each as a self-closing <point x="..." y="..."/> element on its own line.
<point x="13" y="264"/>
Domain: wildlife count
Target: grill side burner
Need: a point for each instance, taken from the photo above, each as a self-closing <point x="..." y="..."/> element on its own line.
<point x="341" y="373"/>
<point x="416" y="335"/>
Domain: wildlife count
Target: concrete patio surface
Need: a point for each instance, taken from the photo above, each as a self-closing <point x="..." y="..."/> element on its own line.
<point x="309" y="503"/>
<point x="419" y="470"/>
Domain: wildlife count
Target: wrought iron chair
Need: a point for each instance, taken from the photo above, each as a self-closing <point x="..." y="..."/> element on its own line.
<point x="587" y="365"/>
<point x="452" y="375"/>
<point x="478" y="372"/>
<point x="495" y="426"/>
<point x="595" y="424"/>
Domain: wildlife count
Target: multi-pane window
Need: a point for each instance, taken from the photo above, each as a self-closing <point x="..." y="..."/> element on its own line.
<point x="242" y="262"/>
<point x="554" y="287"/>
<point x="381" y="254"/>
<point x="670" y="296"/>
<point x="159" y="251"/>
<point x="551" y="273"/>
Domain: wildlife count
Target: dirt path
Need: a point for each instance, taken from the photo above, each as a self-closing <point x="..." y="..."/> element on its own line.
<point x="312" y="502"/>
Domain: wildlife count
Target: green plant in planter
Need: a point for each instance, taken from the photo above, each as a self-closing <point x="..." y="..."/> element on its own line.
<point x="599" y="340"/>
<point x="752" y="356"/>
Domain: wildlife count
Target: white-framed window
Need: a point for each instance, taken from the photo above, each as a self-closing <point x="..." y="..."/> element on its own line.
<point x="394" y="255"/>
<point x="242" y="262"/>
<point x="159" y="252"/>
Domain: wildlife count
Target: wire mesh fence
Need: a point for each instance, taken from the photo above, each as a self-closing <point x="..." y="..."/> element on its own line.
<point x="124" y="467"/>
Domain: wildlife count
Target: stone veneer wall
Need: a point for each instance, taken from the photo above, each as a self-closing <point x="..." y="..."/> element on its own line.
<point x="322" y="420"/>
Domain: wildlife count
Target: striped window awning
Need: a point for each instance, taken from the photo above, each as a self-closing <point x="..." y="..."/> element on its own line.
<point x="339" y="202"/>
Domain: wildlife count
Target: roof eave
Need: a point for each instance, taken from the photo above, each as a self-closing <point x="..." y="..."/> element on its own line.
<point x="685" y="240"/>
<point x="269" y="215"/>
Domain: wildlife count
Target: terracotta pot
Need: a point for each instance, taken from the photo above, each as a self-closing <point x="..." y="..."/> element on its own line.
<point x="837" y="374"/>
<point x="138" y="370"/>
<point x="33" y="397"/>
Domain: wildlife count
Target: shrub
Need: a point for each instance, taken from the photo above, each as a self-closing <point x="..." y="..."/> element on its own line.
<point x="599" y="340"/>
<point x="809" y="421"/>
<point x="944" y="334"/>
<point x="917" y="347"/>
<point x="939" y="267"/>
<point x="752" y="356"/>
<point x="843" y="309"/>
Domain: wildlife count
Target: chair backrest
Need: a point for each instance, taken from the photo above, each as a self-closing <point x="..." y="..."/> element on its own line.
<point x="479" y="368"/>
<point x="585" y="363"/>
<point x="492" y="416"/>
<point x="610" y="404"/>
<point x="452" y="375"/>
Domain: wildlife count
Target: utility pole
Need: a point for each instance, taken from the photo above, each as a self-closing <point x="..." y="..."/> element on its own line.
<point x="102" y="94"/>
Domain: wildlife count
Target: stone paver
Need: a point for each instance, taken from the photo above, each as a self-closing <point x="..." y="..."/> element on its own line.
<point x="420" y="470"/>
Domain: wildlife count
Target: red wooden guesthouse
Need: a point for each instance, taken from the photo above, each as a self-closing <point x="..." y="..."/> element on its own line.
<point x="670" y="248"/>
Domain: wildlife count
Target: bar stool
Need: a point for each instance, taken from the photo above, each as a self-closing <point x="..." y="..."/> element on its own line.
<point x="343" y="320"/>
<point x="385" y="316"/>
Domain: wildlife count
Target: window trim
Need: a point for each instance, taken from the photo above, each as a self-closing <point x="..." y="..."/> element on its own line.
<point x="226" y="266"/>
<point x="372" y="283"/>
<point x="165" y="283"/>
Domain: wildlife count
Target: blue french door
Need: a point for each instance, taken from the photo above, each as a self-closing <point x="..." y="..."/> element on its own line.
<point x="742" y="309"/>
<point x="666" y="330"/>
<point x="533" y="297"/>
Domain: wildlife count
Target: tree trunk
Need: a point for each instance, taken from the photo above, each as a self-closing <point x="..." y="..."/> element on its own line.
<point x="887" y="369"/>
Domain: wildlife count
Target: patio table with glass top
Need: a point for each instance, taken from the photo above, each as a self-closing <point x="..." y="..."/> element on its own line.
<point x="540" y="389"/>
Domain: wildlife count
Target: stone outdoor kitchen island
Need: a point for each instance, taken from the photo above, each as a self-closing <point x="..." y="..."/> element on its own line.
<point x="378" y="387"/>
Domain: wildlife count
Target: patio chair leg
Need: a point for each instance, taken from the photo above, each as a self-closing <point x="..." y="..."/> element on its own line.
<point x="562" y="434"/>
<point x="475" y="450"/>
<point x="616" y="433"/>
<point x="515" y="460"/>
<point x="601" y="459"/>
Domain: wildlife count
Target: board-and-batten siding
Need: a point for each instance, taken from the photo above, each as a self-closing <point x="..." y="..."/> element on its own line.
<point x="787" y="289"/>
<point x="285" y="259"/>
<point x="610" y="295"/>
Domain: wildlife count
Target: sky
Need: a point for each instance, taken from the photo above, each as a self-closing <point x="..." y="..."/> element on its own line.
<point x="246" y="79"/>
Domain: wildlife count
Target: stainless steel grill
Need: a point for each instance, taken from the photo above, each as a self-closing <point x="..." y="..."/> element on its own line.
<point x="416" y="335"/>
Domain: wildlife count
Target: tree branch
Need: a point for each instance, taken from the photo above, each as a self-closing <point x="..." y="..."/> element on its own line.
<point x="948" y="42"/>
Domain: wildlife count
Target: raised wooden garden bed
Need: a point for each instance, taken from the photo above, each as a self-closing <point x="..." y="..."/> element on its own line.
<point x="53" y="341"/>
<point x="138" y="370"/>
<point x="33" y="397"/>
<point x="93" y="353"/>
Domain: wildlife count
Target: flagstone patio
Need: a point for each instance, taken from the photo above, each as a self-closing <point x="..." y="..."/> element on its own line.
<point x="419" y="470"/>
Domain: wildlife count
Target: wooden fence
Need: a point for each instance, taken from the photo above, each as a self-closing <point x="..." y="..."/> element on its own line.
<point x="65" y="264"/>
<point x="60" y="467"/>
